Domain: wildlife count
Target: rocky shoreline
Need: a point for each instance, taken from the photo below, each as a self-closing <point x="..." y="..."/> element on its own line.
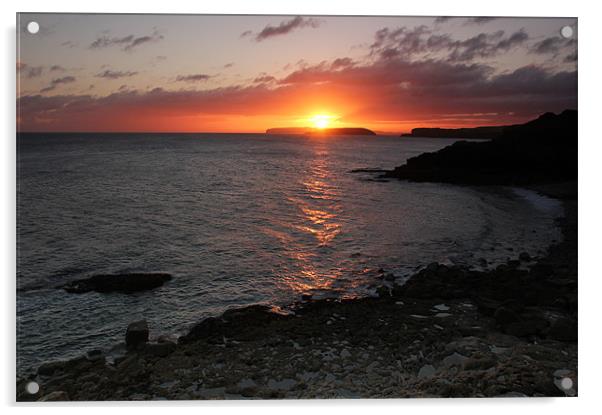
<point x="448" y="332"/>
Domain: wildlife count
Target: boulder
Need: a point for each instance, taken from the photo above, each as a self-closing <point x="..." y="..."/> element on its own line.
<point x="136" y="334"/>
<point x="124" y="283"/>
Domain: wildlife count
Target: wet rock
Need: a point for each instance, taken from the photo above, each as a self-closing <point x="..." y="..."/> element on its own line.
<point x="282" y="385"/>
<point x="504" y="316"/>
<point x="48" y="368"/>
<point x="136" y="334"/>
<point x="479" y="363"/>
<point x="383" y="292"/>
<point x="524" y="328"/>
<point x="124" y="283"/>
<point x="563" y="329"/>
<point x="95" y="355"/>
<point x="426" y="371"/>
<point x="160" y="349"/>
<point x="454" y="359"/>
<point x="55" y="396"/>
<point x="247" y="387"/>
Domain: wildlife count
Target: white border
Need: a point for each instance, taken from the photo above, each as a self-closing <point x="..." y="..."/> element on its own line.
<point x="590" y="209"/>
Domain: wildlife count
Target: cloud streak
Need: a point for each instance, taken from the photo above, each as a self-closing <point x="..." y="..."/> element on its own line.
<point x="126" y="43"/>
<point x="395" y="43"/>
<point x="283" y="28"/>
<point x="193" y="78"/>
<point x="58" y="81"/>
<point x="108" y="74"/>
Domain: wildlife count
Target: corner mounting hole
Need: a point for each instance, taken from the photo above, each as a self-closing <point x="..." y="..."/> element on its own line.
<point x="566" y="383"/>
<point x="32" y="388"/>
<point x="566" y="32"/>
<point x="33" y="27"/>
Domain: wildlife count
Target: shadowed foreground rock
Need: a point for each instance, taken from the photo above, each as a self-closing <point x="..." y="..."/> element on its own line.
<point x="124" y="283"/>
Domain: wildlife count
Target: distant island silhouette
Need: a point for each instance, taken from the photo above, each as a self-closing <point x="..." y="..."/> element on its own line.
<point x="320" y="131"/>
<point x="486" y="132"/>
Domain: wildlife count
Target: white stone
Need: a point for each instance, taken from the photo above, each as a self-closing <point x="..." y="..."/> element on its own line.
<point x="426" y="371"/>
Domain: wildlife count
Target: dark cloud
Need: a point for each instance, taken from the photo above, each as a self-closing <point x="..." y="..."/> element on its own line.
<point x="341" y="63"/>
<point x="108" y="74"/>
<point x="486" y="45"/>
<point x="246" y="33"/>
<point x="404" y="42"/>
<point x="552" y="45"/>
<point x="264" y="79"/>
<point x="228" y="65"/>
<point x="571" y="57"/>
<point x="443" y="19"/>
<point x="105" y="41"/>
<point x="29" y="71"/>
<point x="479" y="20"/>
<point x="34" y="71"/>
<point x="57" y="68"/>
<point x="58" y="81"/>
<point x="126" y="43"/>
<point x="193" y="78"/>
<point x="284" y="28"/>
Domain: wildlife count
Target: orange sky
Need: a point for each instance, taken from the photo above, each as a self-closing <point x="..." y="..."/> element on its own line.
<point x="389" y="74"/>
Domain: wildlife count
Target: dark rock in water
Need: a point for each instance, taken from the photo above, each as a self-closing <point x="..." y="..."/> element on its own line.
<point x="524" y="256"/>
<point x="124" y="283"/>
<point x="563" y="329"/>
<point x="136" y="334"/>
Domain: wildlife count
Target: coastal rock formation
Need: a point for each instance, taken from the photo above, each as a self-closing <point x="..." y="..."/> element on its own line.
<point x="124" y="283"/>
<point x="468" y="133"/>
<point x="540" y="151"/>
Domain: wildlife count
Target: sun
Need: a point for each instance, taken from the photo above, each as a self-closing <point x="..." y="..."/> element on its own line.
<point x="321" y="121"/>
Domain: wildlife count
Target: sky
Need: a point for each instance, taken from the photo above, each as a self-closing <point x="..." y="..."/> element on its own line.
<point x="218" y="73"/>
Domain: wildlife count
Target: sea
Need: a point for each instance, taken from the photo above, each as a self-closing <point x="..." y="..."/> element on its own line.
<point x="237" y="219"/>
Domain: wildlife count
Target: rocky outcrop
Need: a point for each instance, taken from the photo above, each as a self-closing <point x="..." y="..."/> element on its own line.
<point x="543" y="150"/>
<point x="468" y="133"/>
<point x="124" y="283"/>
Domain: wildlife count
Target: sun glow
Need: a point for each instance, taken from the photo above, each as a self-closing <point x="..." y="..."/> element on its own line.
<point x="321" y="120"/>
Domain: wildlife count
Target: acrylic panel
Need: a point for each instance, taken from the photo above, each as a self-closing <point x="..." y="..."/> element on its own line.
<point x="295" y="207"/>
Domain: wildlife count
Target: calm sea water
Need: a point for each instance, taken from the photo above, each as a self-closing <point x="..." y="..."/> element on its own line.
<point x="237" y="219"/>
